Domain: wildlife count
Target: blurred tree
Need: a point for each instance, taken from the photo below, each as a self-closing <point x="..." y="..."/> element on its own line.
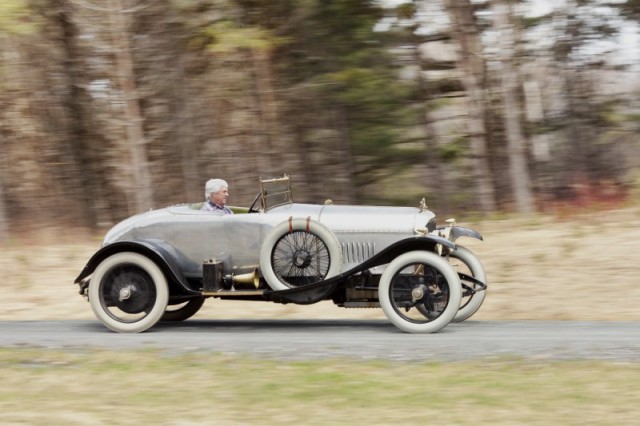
<point x="231" y="64"/>
<point x="629" y="8"/>
<point x="35" y="121"/>
<point x="337" y="78"/>
<point x="119" y="15"/>
<point x="586" y="159"/>
<point x="144" y="110"/>
<point x="256" y="44"/>
<point x="517" y="145"/>
<point x="119" y="106"/>
<point x="12" y="14"/>
<point x="171" y="103"/>
<point x="75" y="99"/>
<point x="471" y="61"/>
<point x="4" y="221"/>
<point x="16" y="18"/>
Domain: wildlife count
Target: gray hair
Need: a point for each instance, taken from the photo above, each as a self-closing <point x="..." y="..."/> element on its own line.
<point x="213" y="186"/>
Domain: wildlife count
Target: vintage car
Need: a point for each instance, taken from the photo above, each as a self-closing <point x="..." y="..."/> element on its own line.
<point x="163" y="264"/>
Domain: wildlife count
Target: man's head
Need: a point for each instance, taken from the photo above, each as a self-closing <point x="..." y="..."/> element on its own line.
<point x="217" y="191"/>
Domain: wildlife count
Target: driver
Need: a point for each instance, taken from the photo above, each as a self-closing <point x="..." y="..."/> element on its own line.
<point x="216" y="191"/>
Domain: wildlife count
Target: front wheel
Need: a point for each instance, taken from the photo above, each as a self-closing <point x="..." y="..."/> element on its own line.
<point x="464" y="261"/>
<point x="128" y="292"/>
<point x="416" y="279"/>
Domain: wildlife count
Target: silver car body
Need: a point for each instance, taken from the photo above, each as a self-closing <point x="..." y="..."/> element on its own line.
<point x="196" y="236"/>
<point x="284" y="252"/>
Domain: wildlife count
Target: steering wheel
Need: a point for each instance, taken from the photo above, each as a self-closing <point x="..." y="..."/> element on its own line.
<point x="252" y="208"/>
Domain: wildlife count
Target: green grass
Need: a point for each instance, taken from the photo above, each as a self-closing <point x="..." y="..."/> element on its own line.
<point x="154" y="387"/>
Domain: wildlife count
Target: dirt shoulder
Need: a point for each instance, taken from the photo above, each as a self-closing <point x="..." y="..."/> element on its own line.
<point x="539" y="268"/>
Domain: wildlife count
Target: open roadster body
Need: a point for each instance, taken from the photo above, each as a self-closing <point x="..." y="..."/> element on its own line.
<point x="163" y="264"/>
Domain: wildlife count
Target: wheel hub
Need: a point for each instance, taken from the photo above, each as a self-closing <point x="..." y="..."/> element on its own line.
<point x="301" y="258"/>
<point x="417" y="293"/>
<point x="131" y="292"/>
<point x="125" y="293"/>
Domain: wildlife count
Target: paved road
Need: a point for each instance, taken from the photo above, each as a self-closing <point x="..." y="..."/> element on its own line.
<point x="360" y="339"/>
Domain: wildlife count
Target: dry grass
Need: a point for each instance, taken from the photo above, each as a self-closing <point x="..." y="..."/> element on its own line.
<point x="539" y="267"/>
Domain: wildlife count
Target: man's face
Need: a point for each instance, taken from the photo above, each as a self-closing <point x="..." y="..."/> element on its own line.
<point x="220" y="197"/>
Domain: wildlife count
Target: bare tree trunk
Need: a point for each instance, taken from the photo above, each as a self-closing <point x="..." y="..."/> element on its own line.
<point x="78" y="131"/>
<point x="4" y="223"/>
<point x="343" y="157"/>
<point x="120" y="30"/>
<point x="466" y="33"/>
<point x="266" y="102"/>
<point x="4" y="227"/>
<point x="516" y="141"/>
<point x="432" y="174"/>
<point x="186" y="140"/>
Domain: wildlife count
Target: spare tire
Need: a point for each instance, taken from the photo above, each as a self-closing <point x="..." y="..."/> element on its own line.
<point x="298" y="252"/>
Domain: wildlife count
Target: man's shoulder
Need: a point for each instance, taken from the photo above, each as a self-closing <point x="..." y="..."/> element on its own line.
<point x="207" y="207"/>
<point x="221" y="210"/>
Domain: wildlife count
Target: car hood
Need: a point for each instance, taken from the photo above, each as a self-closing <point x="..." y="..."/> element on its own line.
<point x="374" y="219"/>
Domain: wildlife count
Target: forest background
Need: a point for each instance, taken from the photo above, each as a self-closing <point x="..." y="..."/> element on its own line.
<point x="114" y="107"/>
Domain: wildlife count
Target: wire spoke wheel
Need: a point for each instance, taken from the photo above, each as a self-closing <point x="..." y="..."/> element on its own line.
<point x="300" y="258"/>
<point x="299" y="252"/>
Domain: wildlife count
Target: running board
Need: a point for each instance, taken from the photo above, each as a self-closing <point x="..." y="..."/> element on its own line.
<point x="233" y="293"/>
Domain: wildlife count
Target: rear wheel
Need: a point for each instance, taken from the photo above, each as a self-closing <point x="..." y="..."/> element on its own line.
<point x="183" y="311"/>
<point x="128" y="292"/>
<point x="415" y="280"/>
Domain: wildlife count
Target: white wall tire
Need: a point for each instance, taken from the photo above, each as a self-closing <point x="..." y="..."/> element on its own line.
<point x="128" y="292"/>
<point x="399" y="284"/>
<point x="182" y="311"/>
<point x="299" y="252"/>
<point x="472" y="266"/>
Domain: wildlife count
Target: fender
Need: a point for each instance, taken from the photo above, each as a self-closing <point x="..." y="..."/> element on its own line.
<point x="460" y="231"/>
<point x="312" y="293"/>
<point x="158" y="252"/>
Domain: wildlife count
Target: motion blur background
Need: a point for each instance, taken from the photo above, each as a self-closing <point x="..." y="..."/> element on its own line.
<point x="109" y="108"/>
